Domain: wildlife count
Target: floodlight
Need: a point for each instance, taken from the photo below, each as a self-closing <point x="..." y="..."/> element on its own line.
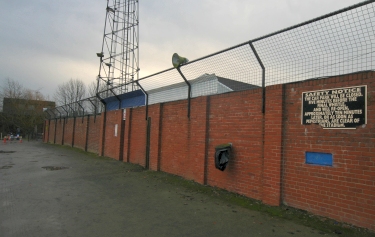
<point x="110" y="9"/>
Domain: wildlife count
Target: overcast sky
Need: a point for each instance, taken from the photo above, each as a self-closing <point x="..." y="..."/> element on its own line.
<point x="44" y="43"/>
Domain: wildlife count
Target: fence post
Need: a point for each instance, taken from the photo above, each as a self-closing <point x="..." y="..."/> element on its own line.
<point x="143" y="90"/>
<point x="189" y="89"/>
<point x="74" y="124"/>
<point x="263" y="77"/>
<point x="95" y="111"/>
<point x="118" y="98"/>
<point x="83" y="109"/>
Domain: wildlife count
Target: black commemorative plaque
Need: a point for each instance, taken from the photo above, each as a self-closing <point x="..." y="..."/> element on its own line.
<point x="335" y="108"/>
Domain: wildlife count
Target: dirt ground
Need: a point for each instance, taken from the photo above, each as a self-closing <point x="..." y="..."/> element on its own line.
<point x="50" y="190"/>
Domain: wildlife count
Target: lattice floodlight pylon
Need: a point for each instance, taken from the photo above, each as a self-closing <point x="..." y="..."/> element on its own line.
<point x="119" y="65"/>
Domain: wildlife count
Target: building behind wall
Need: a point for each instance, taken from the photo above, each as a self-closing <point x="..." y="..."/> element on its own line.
<point x="23" y="116"/>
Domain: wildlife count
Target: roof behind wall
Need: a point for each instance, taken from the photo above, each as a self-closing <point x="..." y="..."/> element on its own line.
<point x="231" y="84"/>
<point x="236" y="85"/>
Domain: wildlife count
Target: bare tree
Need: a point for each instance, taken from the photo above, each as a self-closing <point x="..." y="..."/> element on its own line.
<point x="91" y="89"/>
<point x="70" y="91"/>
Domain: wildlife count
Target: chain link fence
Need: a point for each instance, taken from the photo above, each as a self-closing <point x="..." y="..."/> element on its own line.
<point x="338" y="43"/>
<point x="88" y="106"/>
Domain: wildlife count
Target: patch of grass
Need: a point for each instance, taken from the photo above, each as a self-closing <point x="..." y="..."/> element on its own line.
<point x="79" y="150"/>
<point x="322" y="224"/>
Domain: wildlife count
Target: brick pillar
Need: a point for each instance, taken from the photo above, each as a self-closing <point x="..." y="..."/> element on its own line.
<point x="272" y="145"/>
<point x="102" y="133"/>
<point x="122" y="135"/>
<point x="74" y="130"/>
<point x="46" y="130"/>
<point x="87" y="132"/>
<point x="51" y="129"/>
<point x="54" y="134"/>
<point x="197" y="151"/>
<point x="155" y="112"/>
<point x="63" y="131"/>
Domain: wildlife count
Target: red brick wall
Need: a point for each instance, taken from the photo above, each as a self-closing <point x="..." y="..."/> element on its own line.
<point x="80" y="132"/>
<point x="272" y="145"/>
<point x="111" y="142"/>
<point x="196" y="160"/>
<point x="68" y="133"/>
<point x="182" y="147"/>
<point x="268" y="160"/>
<point x="59" y="131"/>
<point x="346" y="191"/>
<point x="94" y="128"/>
<point x="237" y="118"/>
<point x="52" y="131"/>
<point x="155" y="112"/>
<point x="174" y="130"/>
<point x="127" y="133"/>
<point x="47" y="130"/>
<point x="137" y="137"/>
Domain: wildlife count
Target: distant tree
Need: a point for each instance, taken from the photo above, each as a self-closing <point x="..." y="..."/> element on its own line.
<point x="10" y="89"/>
<point x="70" y="91"/>
<point x="91" y="88"/>
<point x="22" y="108"/>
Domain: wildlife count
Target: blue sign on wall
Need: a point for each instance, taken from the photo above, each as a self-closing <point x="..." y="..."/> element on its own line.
<point x="318" y="158"/>
<point x="127" y="100"/>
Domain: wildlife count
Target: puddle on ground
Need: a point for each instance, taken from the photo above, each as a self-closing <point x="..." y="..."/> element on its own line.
<point x="6" y="151"/>
<point x="5" y="167"/>
<point x="54" y="167"/>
